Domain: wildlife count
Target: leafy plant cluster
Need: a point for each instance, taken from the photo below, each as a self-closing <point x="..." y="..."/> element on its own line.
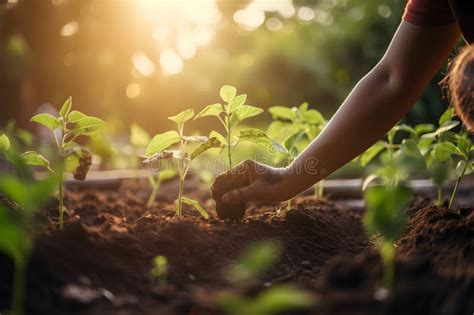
<point x="439" y="151"/>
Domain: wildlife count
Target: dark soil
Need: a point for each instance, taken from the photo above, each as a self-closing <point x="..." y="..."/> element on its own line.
<point x="100" y="263"/>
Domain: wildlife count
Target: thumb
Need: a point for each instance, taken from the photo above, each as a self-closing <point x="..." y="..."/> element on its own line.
<point x="242" y="195"/>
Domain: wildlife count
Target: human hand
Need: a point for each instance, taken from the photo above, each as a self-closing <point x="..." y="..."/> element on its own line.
<point x="251" y="181"/>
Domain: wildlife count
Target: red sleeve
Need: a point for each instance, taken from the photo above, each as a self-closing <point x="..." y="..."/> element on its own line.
<point x="428" y="12"/>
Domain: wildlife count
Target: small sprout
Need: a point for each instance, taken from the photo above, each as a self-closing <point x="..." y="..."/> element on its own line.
<point x="155" y="183"/>
<point x="65" y="129"/>
<point x="256" y="260"/>
<point x="160" y="271"/>
<point x="232" y="113"/>
<point x="157" y="150"/>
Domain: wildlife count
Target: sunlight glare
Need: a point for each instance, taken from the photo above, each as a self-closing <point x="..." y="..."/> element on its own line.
<point x="143" y="64"/>
<point x="170" y="62"/>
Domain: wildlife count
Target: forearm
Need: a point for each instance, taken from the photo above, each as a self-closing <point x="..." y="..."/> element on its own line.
<point x="377" y="103"/>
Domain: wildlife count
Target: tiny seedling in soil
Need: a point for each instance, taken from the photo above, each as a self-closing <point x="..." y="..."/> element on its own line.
<point x="255" y="261"/>
<point x="294" y="128"/>
<point x="73" y="158"/>
<point x="160" y="271"/>
<point x="157" y="151"/>
<point x="139" y="139"/>
<point x="16" y="238"/>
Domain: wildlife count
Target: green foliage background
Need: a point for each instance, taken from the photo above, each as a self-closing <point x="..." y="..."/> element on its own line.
<point x="318" y="62"/>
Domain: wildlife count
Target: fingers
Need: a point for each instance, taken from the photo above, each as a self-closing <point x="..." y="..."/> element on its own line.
<point x="243" y="195"/>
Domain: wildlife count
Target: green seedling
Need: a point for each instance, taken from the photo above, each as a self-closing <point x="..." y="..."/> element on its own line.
<point x="385" y="219"/>
<point x="73" y="158"/>
<point x="16" y="238"/>
<point x="294" y="128"/>
<point x="253" y="263"/>
<point x="230" y="115"/>
<point x="160" y="271"/>
<point x="139" y="139"/>
<point x="397" y="160"/>
<point x="157" y="151"/>
<point x="448" y="152"/>
<point x="155" y="183"/>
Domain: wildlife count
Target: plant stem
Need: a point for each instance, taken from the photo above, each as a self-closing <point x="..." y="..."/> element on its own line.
<point x="154" y="192"/>
<point x="61" y="201"/>
<point x="19" y="288"/>
<point x="180" y="196"/>
<point x="229" y="147"/>
<point x="319" y="189"/>
<point x="289" y="203"/>
<point x="388" y="258"/>
<point x="456" y="186"/>
<point x="440" y="196"/>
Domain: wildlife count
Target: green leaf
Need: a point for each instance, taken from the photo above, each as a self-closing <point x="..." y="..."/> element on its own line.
<point x="371" y="152"/>
<point x="443" y="151"/>
<point x="161" y="142"/>
<point x="34" y="158"/>
<point x="139" y="138"/>
<point x="445" y="127"/>
<point x="87" y="126"/>
<point x="227" y="93"/>
<point x="219" y="137"/>
<point x="237" y="102"/>
<point x="423" y="128"/>
<point x="196" y="205"/>
<point x="247" y="111"/>
<point x="12" y="242"/>
<point x="209" y="144"/>
<point x="282" y="112"/>
<point x="210" y="110"/>
<point x="385" y="215"/>
<point x="75" y="115"/>
<point x="406" y="128"/>
<point x="46" y="120"/>
<point x="463" y="145"/>
<point x="72" y="162"/>
<point x="259" y="137"/>
<point x="292" y="140"/>
<point x="440" y="171"/>
<point x="66" y="107"/>
<point x="167" y="175"/>
<point x="182" y="117"/>
<point x="446" y="116"/>
<point x="313" y="116"/>
<point x="4" y="143"/>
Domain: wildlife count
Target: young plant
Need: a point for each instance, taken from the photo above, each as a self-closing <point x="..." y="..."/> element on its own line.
<point x="255" y="261"/>
<point x="157" y="151"/>
<point x="155" y="183"/>
<point x="448" y="152"/>
<point x="160" y="271"/>
<point x="139" y="139"/>
<point x="294" y="128"/>
<point x="232" y="113"/>
<point x="72" y="157"/>
<point x="16" y="238"/>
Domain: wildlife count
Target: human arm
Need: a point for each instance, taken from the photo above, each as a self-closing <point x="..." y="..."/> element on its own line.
<point x="377" y="102"/>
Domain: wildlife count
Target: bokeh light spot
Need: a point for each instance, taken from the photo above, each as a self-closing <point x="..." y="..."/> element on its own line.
<point x="305" y="13"/>
<point x="384" y="11"/>
<point x="143" y="64"/>
<point x="69" y="29"/>
<point x="133" y="90"/>
<point x="170" y="62"/>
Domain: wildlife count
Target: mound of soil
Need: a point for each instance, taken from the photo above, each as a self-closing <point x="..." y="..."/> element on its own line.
<point x="100" y="263"/>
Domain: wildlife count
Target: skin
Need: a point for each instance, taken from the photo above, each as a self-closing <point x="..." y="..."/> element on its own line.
<point x="375" y="105"/>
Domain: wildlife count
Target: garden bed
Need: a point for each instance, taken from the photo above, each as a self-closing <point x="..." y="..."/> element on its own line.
<point x="100" y="263"/>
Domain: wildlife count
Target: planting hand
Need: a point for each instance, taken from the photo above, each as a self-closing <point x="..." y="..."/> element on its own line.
<point x="260" y="183"/>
